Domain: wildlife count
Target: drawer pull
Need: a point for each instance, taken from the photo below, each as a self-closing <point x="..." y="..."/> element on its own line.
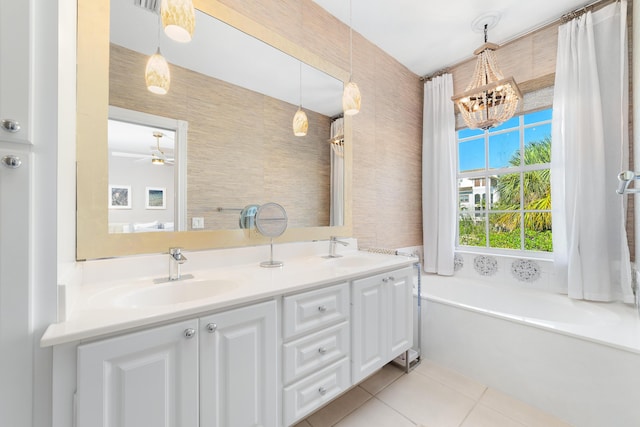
<point x="10" y="125"/>
<point x="189" y="333"/>
<point x="388" y="279"/>
<point x="322" y="350"/>
<point x="211" y="327"/>
<point x="322" y="308"/>
<point x="322" y="391"/>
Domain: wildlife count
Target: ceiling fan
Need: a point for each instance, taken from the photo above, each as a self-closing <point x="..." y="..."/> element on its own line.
<point x="158" y="156"/>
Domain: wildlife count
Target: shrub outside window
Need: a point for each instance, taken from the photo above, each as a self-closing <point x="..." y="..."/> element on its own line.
<point x="504" y="189"/>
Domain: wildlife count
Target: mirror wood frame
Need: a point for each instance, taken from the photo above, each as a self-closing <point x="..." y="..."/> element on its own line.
<point x="93" y="239"/>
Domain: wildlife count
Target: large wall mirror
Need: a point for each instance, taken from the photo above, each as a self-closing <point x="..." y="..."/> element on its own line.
<point x="158" y="171"/>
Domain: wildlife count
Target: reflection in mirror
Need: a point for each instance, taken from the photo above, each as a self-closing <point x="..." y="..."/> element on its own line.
<point x="238" y="96"/>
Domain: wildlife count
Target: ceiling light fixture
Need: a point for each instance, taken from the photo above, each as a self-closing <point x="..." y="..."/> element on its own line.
<point x="178" y="19"/>
<point x="351" y="99"/>
<point x="155" y="159"/>
<point x="156" y="74"/>
<point x="300" y="121"/>
<point x="490" y="99"/>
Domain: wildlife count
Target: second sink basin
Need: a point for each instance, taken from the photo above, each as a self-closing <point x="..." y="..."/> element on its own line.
<point x="176" y="292"/>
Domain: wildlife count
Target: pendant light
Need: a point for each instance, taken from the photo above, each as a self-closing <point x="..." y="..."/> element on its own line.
<point x="351" y="99"/>
<point x="178" y="19"/>
<point x="156" y="74"/>
<point x="490" y="99"/>
<point x="157" y="159"/>
<point x="300" y="121"/>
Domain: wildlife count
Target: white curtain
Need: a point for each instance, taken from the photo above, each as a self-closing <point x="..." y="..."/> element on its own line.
<point x="589" y="149"/>
<point x="439" y="176"/>
<point x="336" y="213"/>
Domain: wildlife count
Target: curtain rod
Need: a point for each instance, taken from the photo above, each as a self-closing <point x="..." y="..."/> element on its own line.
<point x="432" y="76"/>
<point x="584" y="9"/>
<point x="581" y="11"/>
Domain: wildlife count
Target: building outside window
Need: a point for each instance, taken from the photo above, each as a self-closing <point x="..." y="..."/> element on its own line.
<point x="504" y="188"/>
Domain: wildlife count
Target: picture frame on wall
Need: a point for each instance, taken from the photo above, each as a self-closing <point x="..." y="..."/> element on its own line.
<point x="119" y="197"/>
<point x="156" y="198"/>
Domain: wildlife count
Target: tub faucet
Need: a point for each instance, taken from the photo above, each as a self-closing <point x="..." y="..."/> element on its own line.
<point x="176" y="258"/>
<point x="332" y="246"/>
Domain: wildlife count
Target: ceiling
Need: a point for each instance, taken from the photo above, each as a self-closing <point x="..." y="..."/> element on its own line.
<point x="428" y="35"/>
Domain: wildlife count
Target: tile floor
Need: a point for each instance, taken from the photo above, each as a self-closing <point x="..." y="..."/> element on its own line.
<point x="429" y="396"/>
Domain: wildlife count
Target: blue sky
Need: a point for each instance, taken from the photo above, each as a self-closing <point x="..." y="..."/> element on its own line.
<point x="501" y="146"/>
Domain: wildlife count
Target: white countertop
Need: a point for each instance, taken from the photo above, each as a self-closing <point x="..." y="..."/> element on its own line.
<point x="99" y="309"/>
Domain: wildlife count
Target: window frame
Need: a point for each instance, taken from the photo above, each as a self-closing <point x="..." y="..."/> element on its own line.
<point x="486" y="174"/>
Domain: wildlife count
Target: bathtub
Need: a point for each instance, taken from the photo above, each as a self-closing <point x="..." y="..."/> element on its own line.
<point x="579" y="361"/>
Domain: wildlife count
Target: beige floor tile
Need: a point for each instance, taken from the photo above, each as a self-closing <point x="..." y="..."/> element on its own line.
<point x="519" y="411"/>
<point x="456" y="381"/>
<point x="482" y="416"/>
<point x="339" y="408"/>
<point x="426" y="401"/>
<point x="303" y="423"/>
<point x="374" y="413"/>
<point x="378" y="381"/>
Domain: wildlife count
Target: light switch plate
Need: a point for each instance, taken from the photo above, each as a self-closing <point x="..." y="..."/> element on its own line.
<point x="197" y="222"/>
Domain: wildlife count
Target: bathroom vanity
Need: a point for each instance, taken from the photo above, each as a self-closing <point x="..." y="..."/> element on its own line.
<point x="269" y="348"/>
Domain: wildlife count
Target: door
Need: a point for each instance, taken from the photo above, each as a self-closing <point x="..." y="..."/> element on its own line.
<point x="369" y="333"/>
<point x="147" y="378"/>
<point x="400" y="291"/>
<point x="238" y="368"/>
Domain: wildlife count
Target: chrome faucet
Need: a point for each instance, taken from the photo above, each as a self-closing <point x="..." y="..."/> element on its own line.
<point x="176" y="258"/>
<point x="332" y="246"/>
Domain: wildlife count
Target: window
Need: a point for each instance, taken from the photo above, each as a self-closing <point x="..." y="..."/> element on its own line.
<point x="506" y="170"/>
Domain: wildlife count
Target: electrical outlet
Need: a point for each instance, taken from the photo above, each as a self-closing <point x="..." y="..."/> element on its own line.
<point x="197" y="222"/>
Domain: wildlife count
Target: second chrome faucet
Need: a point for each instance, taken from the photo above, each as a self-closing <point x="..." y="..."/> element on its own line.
<point x="332" y="246"/>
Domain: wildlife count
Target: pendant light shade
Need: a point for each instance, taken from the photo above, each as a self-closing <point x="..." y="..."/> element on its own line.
<point x="178" y="19"/>
<point x="300" y="123"/>
<point x="157" y="74"/>
<point x="351" y="99"/>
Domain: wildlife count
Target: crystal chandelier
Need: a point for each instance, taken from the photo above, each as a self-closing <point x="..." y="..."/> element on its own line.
<point x="490" y="99"/>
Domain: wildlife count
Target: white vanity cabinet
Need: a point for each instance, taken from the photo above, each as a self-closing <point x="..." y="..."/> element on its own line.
<point x="315" y="351"/>
<point x="15" y="66"/>
<point x="219" y="370"/>
<point x="147" y="378"/>
<point x="381" y="320"/>
<point x="238" y="380"/>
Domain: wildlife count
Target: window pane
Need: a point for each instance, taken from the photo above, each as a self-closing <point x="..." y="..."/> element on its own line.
<point x="473" y="191"/>
<point x="471" y="155"/>
<point x="504" y="150"/>
<point x="504" y="230"/>
<point x="537" y="144"/>
<point x="466" y="133"/>
<point x="538" y="116"/>
<point x="537" y="238"/>
<point x="537" y="190"/>
<point x="505" y="190"/>
<point x="471" y="229"/>
<point x="511" y="123"/>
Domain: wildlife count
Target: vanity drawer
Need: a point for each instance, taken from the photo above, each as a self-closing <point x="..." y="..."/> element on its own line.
<point x="305" y="396"/>
<point x="315" y="309"/>
<point x="312" y="352"/>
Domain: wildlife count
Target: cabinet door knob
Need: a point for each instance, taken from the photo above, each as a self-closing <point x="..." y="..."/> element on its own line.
<point x="322" y="391"/>
<point x="189" y="333"/>
<point x="12" y="162"/>
<point x="11" y="126"/>
<point x="322" y="350"/>
<point x="322" y="308"/>
<point x="211" y="327"/>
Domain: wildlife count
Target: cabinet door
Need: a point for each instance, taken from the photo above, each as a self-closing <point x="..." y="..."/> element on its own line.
<point x="238" y="367"/>
<point x="369" y="327"/>
<point x="400" y="291"/>
<point x="147" y="378"/>
<point x="15" y="69"/>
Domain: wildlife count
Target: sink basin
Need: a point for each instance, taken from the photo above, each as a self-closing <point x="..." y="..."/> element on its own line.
<point x="176" y="292"/>
<point x="353" y="261"/>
